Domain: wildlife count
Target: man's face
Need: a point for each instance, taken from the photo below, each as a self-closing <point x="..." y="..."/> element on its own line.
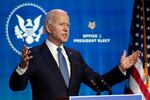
<point x="59" y="28"/>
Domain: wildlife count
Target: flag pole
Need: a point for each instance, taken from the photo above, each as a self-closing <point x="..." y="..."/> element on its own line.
<point x="145" y="61"/>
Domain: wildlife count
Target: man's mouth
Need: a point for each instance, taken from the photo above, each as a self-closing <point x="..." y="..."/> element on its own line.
<point x="65" y="35"/>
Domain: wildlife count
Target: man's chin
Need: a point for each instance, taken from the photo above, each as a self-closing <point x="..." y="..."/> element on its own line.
<point x="65" y="40"/>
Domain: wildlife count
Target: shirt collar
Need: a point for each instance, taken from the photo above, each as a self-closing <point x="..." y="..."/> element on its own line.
<point x="53" y="47"/>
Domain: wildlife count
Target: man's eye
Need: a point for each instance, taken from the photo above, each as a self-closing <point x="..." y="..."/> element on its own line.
<point x="68" y="24"/>
<point x="62" y="24"/>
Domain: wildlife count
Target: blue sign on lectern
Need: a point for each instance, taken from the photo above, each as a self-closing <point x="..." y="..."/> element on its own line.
<point x="108" y="97"/>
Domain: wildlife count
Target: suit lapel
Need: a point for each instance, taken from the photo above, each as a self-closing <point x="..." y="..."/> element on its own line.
<point x="70" y="56"/>
<point x="45" y="52"/>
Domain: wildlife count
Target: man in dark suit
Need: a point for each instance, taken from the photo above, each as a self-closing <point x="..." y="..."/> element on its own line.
<point x="42" y="64"/>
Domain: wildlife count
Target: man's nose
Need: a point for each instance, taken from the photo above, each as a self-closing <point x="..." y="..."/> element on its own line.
<point x="66" y="27"/>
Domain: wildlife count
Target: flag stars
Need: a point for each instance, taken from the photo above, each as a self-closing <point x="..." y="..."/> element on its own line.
<point x="137" y="16"/>
<point x="142" y="54"/>
<point x="142" y="27"/>
<point x="148" y="28"/>
<point x="141" y="35"/>
<point x="147" y="9"/>
<point x="148" y="46"/>
<point x="137" y="25"/>
<point x="141" y="18"/>
<point x="142" y="45"/>
<point x="148" y="56"/>
<point x="148" y="18"/>
<point x="148" y="64"/>
<point x="138" y="6"/>
<point x="136" y="43"/>
<point x="137" y="34"/>
<point x="148" y="37"/>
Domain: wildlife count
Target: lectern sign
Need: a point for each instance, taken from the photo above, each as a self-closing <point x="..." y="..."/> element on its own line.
<point x="108" y="97"/>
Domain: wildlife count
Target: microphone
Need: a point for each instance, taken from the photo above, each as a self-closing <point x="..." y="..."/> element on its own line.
<point x="104" y="86"/>
<point x="98" y="84"/>
<point x="94" y="84"/>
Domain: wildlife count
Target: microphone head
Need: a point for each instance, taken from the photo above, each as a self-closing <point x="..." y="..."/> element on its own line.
<point x="103" y="85"/>
<point x="93" y="83"/>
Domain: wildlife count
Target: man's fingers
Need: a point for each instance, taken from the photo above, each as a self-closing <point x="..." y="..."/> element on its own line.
<point x="25" y="49"/>
<point x="133" y="58"/>
<point x="136" y="55"/>
<point x="124" y="54"/>
<point x="26" y="59"/>
<point x="26" y="54"/>
<point x="30" y="57"/>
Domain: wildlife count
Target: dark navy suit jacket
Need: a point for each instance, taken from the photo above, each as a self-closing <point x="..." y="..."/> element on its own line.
<point x="46" y="80"/>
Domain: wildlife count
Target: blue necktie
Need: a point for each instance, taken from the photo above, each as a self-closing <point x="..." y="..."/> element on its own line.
<point x="63" y="66"/>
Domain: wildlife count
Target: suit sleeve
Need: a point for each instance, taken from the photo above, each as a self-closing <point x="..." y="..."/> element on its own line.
<point x="19" y="82"/>
<point x="112" y="77"/>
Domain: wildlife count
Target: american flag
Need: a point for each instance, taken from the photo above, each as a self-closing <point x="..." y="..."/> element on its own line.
<point x="140" y="31"/>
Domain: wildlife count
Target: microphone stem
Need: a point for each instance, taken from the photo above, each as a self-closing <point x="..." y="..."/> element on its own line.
<point x="110" y="92"/>
<point x="98" y="93"/>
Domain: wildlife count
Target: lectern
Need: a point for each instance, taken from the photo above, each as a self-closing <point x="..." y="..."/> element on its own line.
<point x="108" y="97"/>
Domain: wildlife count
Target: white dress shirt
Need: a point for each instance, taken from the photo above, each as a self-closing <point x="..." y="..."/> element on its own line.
<point x="53" y="48"/>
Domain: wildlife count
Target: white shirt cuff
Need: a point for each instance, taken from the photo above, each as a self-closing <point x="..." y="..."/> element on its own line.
<point x="21" y="71"/>
<point x="124" y="73"/>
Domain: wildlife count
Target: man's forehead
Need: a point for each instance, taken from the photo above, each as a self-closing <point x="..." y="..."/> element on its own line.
<point x="59" y="17"/>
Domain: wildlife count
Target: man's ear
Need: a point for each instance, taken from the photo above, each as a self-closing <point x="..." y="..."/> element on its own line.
<point x="47" y="28"/>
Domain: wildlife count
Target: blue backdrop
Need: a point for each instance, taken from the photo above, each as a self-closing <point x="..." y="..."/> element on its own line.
<point x="100" y="30"/>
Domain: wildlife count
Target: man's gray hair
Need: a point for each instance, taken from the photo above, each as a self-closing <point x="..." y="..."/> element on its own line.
<point x="50" y="15"/>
